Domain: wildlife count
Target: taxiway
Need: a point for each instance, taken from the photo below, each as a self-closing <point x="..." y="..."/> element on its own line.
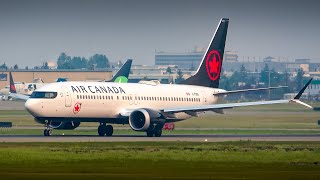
<point x="164" y="138"/>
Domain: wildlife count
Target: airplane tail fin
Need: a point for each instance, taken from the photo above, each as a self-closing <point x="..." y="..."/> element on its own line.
<point x="12" y="86"/>
<point x="208" y="73"/>
<point x="123" y="73"/>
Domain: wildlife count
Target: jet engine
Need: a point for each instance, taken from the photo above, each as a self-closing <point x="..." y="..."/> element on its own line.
<point x="142" y="119"/>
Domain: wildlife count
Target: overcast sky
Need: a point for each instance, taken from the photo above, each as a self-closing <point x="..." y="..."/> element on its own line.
<point x="32" y="32"/>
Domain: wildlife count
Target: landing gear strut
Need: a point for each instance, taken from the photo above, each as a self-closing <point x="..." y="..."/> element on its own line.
<point x="48" y="130"/>
<point x="155" y="131"/>
<point x="104" y="129"/>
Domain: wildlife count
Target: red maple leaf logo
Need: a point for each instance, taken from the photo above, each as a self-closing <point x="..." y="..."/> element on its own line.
<point x="76" y="108"/>
<point x="213" y="64"/>
<point x="13" y="87"/>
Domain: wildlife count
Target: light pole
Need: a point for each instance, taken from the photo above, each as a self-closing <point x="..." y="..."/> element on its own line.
<point x="269" y="84"/>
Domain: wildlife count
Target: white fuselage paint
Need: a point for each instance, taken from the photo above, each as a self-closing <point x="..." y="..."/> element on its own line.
<point x="109" y="100"/>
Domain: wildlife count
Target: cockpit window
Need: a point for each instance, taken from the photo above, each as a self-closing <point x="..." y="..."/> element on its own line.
<point x="46" y="95"/>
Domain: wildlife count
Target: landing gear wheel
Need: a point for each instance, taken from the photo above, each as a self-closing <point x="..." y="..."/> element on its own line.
<point x="157" y="132"/>
<point x="150" y="133"/>
<point x="102" y="129"/>
<point x="109" y="130"/>
<point x="47" y="132"/>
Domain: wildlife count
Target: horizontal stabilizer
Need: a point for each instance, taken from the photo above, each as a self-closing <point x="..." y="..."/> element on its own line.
<point x="248" y="90"/>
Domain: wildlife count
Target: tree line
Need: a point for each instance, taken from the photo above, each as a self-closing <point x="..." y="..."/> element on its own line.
<point x="96" y="61"/>
<point x="67" y="62"/>
<point x="242" y="79"/>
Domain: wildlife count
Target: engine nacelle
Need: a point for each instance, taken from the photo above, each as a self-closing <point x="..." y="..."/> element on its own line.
<point x="69" y="125"/>
<point x="142" y="119"/>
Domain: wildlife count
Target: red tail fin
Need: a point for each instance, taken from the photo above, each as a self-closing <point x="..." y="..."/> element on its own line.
<point x="12" y="86"/>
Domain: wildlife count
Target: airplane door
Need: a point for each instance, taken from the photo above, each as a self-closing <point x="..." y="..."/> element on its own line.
<point x="67" y="96"/>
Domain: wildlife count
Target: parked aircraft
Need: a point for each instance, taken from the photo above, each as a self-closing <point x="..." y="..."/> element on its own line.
<point x="145" y="106"/>
<point x="22" y="88"/>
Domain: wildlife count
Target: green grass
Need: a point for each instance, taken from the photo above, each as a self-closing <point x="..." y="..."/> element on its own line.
<point x="172" y="160"/>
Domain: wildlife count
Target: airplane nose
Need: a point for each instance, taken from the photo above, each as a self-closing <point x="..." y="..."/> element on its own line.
<point x="32" y="107"/>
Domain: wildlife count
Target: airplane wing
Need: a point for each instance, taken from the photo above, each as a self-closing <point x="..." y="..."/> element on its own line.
<point x="247" y="90"/>
<point x="19" y="96"/>
<point x="232" y="105"/>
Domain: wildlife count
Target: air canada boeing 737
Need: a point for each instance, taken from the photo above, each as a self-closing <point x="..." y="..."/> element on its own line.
<point x="144" y="106"/>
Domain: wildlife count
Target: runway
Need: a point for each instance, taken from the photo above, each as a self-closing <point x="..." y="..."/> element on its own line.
<point x="164" y="138"/>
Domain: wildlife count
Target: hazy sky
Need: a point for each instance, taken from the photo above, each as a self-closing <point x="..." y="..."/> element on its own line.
<point x="32" y="32"/>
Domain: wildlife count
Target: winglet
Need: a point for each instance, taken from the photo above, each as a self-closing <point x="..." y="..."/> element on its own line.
<point x="12" y="86"/>
<point x="302" y="90"/>
<point x="297" y="97"/>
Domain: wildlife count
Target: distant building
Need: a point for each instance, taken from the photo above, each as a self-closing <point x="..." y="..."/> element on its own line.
<point x="230" y="56"/>
<point x="156" y="72"/>
<point x="302" y="61"/>
<point x="189" y="60"/>
<point x="313" y="89"/>
<point x="294" y="67"/>
<point x="268" y="59"/>
<point x="182" y="60"/>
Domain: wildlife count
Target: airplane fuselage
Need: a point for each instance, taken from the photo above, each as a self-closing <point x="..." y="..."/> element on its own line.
<point x="98" y="100"/>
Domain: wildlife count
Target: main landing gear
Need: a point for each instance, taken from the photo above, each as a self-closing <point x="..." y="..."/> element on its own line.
<point x="48" y="130"/>
<point x="155" y="131"/>
<point x="104" y="129"/>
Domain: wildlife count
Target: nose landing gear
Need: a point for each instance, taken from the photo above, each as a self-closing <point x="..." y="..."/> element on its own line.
<point x="104" y="129"/>
<point x="48" y="130"/>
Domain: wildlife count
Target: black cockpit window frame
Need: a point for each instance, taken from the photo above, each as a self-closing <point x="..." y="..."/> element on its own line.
<point x="44" y="95"/>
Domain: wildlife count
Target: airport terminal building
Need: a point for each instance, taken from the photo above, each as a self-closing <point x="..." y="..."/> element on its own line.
<point x="49" y="76"/>
<point x="189" y="60"/>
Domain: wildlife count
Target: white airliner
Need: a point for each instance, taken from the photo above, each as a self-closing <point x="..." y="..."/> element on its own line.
<point x="144" y="106"/>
